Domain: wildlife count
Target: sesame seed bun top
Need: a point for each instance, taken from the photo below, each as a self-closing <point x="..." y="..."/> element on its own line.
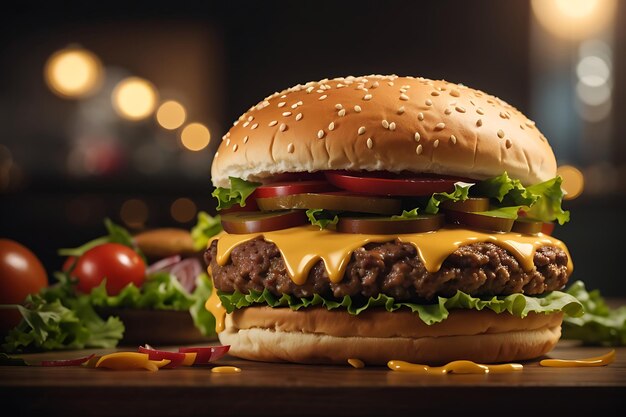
<point x="383" y="123"/>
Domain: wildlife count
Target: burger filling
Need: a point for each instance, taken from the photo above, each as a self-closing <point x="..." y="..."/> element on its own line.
<point x="393" y="269"/>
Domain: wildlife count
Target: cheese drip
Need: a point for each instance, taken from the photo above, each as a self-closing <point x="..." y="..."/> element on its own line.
<point x="302" y="247"/>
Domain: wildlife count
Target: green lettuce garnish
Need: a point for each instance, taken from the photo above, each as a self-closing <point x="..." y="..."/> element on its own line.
<point x="407" y="215"/>
<point x="238" y="192"/>
<point x="548" y="206"/>
<point x="516" y="304"/>
<point x="460" y="193"/>
<point x="322" y="218"/>
<point x="206" y="227"/>
<point x="600" y="325"/>
<point x="71" y="323"/>
<point x="115" y="234"/>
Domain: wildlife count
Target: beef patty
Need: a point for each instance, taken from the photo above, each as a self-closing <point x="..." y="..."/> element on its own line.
<point x="394" y="269"/>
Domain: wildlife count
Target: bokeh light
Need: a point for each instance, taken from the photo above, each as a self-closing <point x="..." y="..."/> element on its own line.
<point x="573" y="181"/>
<point x="574" y="19"/>
<point x="134" y="213"/>
<point x="195" y="136"/>
<point x="171" y="115"/>
<point x="134" y="98"/>
<point x="183" y="210"/>
<point x="73" y="73"/>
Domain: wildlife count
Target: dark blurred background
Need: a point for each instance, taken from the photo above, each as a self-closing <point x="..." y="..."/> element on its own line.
<point x="116" y="112"/>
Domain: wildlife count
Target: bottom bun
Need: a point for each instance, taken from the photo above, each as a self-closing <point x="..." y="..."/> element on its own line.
<point x="316" y="335"/>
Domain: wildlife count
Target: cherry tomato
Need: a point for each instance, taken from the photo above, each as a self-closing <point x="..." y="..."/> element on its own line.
<point x="21" y="274"/>
<point x="383" y="183"/>
<point x="119" y="264"/>
<point x="279" y="189"/>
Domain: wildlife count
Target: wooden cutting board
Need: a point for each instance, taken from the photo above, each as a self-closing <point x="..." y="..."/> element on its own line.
<point x="295" y="390"/>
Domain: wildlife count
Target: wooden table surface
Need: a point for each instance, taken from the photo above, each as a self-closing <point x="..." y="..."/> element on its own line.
<point x="288" y="389"/>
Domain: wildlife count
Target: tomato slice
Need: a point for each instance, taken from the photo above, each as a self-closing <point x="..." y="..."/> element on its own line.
<point x="383" y="183"/>
<point x="278" y="189"/>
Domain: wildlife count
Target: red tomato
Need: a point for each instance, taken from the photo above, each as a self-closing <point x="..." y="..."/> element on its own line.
<point x="278" y="189"/>
<point x="21" y="274"/>
<point x="119" y="264"/>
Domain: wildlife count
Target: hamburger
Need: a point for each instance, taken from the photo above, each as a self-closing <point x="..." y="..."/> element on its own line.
<point x="387" y="218"/>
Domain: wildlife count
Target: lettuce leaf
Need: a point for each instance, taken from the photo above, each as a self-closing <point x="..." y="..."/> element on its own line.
<point x="206" y="227"/>
<point x="115" y="234"/>
<point x="600" y="325"/>
<point x="322" y="218"/>
<point x="517" y="304"/>
<point x="202" y="318"/>
<point x="407" y="215"/>
<point x="503" y="186"/>
<point x="548" y="206"/>
<point x="71" y="324"/>
<point x="460" y="193"/>
<point x="238" y="192"/>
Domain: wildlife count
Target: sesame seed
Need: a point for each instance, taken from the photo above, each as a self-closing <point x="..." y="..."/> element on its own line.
<point x="298" y="116"/>
<point x="500" y="133"/>
<point x="521" y="127"/>
<point x="281" y="104"/>
<point x="385" y="124"/>
<point x="440" y="126"/>
<point x="428" y="102"/>
<point x="245" y="139"/>
<point x="508" y="143"/>
<point x="447" y="111"/>
<point x="235" y="147"/>
<point x="339" y="85"/>
<point x="436" y="143"/>
<point x="455" y="93"/>
<point x="331" y="126"/>
<point x="434" y="93"/>
<point x="375" y="84"/>
<point x="319" y="91"/>
<point x="404" y="97"/>
<point x="290" y="148"/>
<point x="392" y="126"/>
<point x="246" y="124"/>
<point x="287" y="113"/>
<point x="419" y="149"/>
<point x="227" y="142"/>
<point x="294" y="106"/>
<point x="254" y="126"/>
<point x="417" y="136"/>
<point x="403" y="90"/>
<point x="341" y="112"/>
<point x="338" y="106"/>
<point x="320" y="134"/>
<point x="357" y="109"/>
<point x="420" y="116"/>
<point x="401" y="110"/>
<point x="323" y="97"/>
<point x="272" y="123"/>
<point x="453" y="139"/>
<point x="367" y="97"/>
<point x="530" y="124"/>
<point x="250" y="118"/>
<point x="370" y="143"/>
<point x="504" y="115"/>
<point x="282" y="127"/>
<point x="479" y="122"/>
<point x="361" y="130"/>
<point x="283" y="96"/>
<point x="480" y="111"/>
<point x="308" y="90"/>
<point x="390" y="83"/>
<point x="460" y="109"/>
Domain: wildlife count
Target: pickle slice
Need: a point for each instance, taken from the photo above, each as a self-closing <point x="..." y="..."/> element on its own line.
<point x="336" y="201"/>
<point x="480" y="221"/>
<point x="472" y="204"/>
<point x="527" y="226"/>
<point x="389" y="226"/>
<point x="257" y="222"/>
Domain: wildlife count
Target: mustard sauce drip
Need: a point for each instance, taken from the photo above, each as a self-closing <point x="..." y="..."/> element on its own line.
<point x="301" y="247"/>
<point x="603" y="360"/>
<point x="456" y="367"/>
<point x="226" y="370"/>
<point x="215" y="307"/>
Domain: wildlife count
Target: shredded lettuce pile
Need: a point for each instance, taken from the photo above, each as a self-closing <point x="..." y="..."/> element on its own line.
<point x="517" y="304"/>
